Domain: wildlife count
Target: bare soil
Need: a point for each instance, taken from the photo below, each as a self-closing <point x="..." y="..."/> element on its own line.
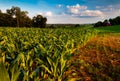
<point x="98" y="60"/>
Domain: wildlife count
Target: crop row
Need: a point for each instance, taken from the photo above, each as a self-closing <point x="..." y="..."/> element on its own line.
<point x="28" y="54"/>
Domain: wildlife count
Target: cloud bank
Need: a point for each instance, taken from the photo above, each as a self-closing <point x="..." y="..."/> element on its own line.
<point x="83" y="11"/>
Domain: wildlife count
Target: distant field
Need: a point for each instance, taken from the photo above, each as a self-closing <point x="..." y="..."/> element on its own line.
<point x="60" y="54"/>
<point x="109" y="29"/>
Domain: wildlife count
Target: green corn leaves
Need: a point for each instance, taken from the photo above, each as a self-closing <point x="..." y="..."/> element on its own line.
<point x="14" y="71"/>
<point x="38" y="54"/>
<point x="4" y="76"/>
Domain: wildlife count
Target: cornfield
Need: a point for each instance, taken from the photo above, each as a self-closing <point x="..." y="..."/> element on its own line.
<point x="28" y="54"/>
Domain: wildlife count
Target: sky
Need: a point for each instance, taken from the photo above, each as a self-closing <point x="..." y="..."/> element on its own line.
<point x="67" y="11"/>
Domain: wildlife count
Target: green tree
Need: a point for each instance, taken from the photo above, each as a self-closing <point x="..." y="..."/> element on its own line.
<point x="5" y="19"/>
<point x="98" y="24"/>
<point x="1" y="18"/>
<point x="39" y="21"/>
<point x="20" y="16"/>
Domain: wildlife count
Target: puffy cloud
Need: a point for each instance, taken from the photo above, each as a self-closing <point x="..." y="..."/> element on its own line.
<point x="48" y="14"/>
<point x="74" y="11"/>
<point x="82" y="14"/>
<point x="94" y="13"/>
<point x="76" y="8"/>
<point x="40" y="13"/>
<point x="112" y="14"/>
<point x="83" y="11"/>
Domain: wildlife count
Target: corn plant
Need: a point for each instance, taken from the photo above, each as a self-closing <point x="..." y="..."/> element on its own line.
<point x="39" y="54"/>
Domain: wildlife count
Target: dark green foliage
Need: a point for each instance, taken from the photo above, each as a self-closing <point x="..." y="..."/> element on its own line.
<point x="77" y="25"/>
<point x="39" y="21"/>
<point x="15" y="17"/>
<point x="114" y="21"/>
<point x="52" y="26"/>
<point x="98" y="24"/>
<point x="20" y="17"/>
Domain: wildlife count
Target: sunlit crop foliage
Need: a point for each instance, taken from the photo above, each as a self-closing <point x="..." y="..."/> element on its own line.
<point x="28" y="54"/>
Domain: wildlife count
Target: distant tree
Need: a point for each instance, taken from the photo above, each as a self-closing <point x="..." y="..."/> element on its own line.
<point x="15" y="13"/>
<point x="5" y="19"/>
<point x="1" y="18"/>
<point x="39" y="21"/>
<point x="115" y="21"/>
<point x="77" y="25"/>
<point x="98" y="24"/>
<point x="27" y="22"/>
<point x="18" y="15"/>
<point x="51" y="26"/>
<point x="111" y="21"/>
<point x="15" y="17"/>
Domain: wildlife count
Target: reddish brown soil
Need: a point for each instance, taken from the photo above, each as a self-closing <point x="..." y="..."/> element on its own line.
<point x="98" y="60"/>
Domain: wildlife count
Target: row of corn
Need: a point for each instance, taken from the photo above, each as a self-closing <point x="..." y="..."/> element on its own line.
<point x="28" y="54"/>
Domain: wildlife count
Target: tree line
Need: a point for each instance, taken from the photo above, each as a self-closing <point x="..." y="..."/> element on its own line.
<point x="114" y="21"/>
<point x="15" y="17"/>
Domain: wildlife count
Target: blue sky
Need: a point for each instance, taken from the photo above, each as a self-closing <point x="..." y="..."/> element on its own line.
<point x="67" y="11"/>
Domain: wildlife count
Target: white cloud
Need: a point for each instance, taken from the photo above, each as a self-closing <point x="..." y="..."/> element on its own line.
<point x="45" y="14"/>
<point x="40" y="13"/>
<point x="83" y="11"/>
<point x="68" y="19"/>
<point x="74" y="11"/>
<point x="48" y="14"/>
<point x="110" y="11"/>
<point x="92" y="13"/>
<point x="112" y="14"/>
<point x="76" y="8"/>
